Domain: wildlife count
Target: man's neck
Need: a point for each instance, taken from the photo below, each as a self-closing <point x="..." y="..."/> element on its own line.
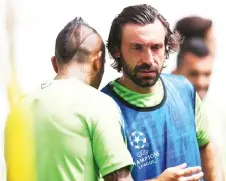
<point x="129" y="84"/>
<point x="73" y="73"/>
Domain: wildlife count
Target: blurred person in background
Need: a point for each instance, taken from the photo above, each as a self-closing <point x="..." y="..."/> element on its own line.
<point x="66" y="129"/>
<point x="196" y="26"/>
<point x="193" y="29"/>
<point x="195" y="62"/>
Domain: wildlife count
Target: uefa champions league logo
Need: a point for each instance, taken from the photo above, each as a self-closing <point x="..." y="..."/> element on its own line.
<point x="143" y="155"/>
<point x="137" y="140"/>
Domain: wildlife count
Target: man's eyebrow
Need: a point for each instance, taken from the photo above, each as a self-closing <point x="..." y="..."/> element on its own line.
<point x="137" y="43"/>
<point x="158" y="44"/>
<point x="146" y="44"/>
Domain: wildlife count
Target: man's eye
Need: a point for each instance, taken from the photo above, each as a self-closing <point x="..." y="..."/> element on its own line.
<point x="155" y="47"/>
<point x="138" y="47"/>
<point x="193" y="73"/>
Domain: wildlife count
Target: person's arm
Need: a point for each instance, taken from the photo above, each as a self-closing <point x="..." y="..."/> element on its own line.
<point x="209" y="154"/>
<point x="210" y="163"/>
<point x="109" y="147"/>
<point x="122" y="174"/>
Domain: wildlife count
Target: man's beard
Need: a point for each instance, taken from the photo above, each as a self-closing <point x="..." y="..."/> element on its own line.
<point x="139" y="80"/>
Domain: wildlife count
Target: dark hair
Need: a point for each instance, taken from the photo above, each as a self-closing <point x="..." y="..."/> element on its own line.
<point x="196" y="46"/>
<point x="139" y="14"/>
<point x="69" y="40"/>
<point x="193" y="26"/>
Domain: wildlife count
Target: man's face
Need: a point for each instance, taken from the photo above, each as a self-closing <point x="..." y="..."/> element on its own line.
<point x="143" y="52"/>
<point x="198" y="71"/>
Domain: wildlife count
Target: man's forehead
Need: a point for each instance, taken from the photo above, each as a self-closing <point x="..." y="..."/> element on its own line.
<point x="195" y="61"/>
<point x="144" y="33"/>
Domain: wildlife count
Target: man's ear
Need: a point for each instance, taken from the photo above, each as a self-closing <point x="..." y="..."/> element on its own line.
<point x="116" y="53"/>
<point x="54" y="64"/>
<point x="98" y="61"/>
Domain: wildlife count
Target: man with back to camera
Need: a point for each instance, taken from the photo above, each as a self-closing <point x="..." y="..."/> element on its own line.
<point x="58" y="132"/>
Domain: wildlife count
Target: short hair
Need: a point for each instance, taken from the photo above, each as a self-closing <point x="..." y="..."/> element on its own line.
<point x="193" y="26"/>
<point x="196" y="46"/>
<point x="139" y="14"/>
<point x="69" y="40"/>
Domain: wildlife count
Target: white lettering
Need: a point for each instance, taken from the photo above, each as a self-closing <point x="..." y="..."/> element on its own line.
<point x="146" y="160"/>
<point x="142" y="160"/>
<point x="146" y="164"/>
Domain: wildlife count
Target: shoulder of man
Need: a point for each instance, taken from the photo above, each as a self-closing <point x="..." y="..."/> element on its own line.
<point x="178" y="81"/>
<point x="181" y="85"/>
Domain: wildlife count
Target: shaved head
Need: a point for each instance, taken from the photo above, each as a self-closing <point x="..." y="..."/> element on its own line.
<point x="79" y="53"/>
<point x="77" y="41"/>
